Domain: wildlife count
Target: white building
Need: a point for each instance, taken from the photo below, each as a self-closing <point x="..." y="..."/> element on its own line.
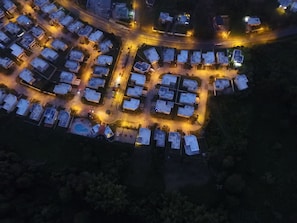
<point x="196" y="58"/>
<point x="92" y="95"/>
<point x="62" y="89"/>
<point x="9" y="6"/>
<point x="135" y="91"/>
<point x="99" y="71"/>
<point x="85" y="31"/>
<point x="36" y="112"/>
<point x="64" y="118"/>
<point x="182" y="57"/>
<point x="49" y="8"/>
<point x="38" y="32"/>
<point x="138" y="79"/>
<point x="27" y="41"/>
<point x="152" y="55"/>
<point x="58" y="44"/>
<point x="24" y="20"/>
<point x="165" y="93"/>
<point x="168" y="55"/>
<point x="143" y="137"/>
<point x="141" y="67"/>
<point x="27" y="76"/>
<point x="49" y="54"/>
<point x="13" y="28"/>
<point x="164" y="107"/>
<point x="164" y="17"/>
<point x="75" y="26"/>
<point x="187" y="98"/>
<point x="222" y="58"/>
<point x="208" y="58"/>
<point x="23" y="107"/>
<point x="169" y="80"/>
<point x="191" y="145"/>
<point x="72" y="66"/>
<point x="104" y="60"/>
<point x="57" y="15"/>
<point x="66" y="21"/>
<point x="67" y="77"/>
<point x="6" y="63"/>
<point x="96" y="36"/>
<point x="241" y="82"/>
<point x="221" y="84"/>
<point x="132" y="104"/>
<point x="174" y="138"/>
<point x="185" y="111"/>
<point x="95" y="82"/>
<point x="159" y="137"/>
<point x="3" y="37"/>
<point x="190" y="85"/>
<point x="50" y="116"/>
<point x="237" y="58"/>
<point x="105" y="46"/>
<point x="16" y="50"/>
<point x="10" y="102"/>
<point x="76" y="55"/>
<point x="39" y="64"/>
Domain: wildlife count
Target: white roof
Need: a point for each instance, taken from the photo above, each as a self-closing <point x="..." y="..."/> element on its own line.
<point x="76" y="55"/>
<point x="222" y="58"/>
<point x="182" y="57"/>
<point x="209" y="57"/>
<point x="135" y="91"/>
<point x="105" y="46"/>
<point x="10" y="102"/>
<point x="241" y="81"/>
<point x="96" y="36"/>
<point x="104" y="60"/>
<point x="92" y="95"/>
<point x="50" y="115"/>
<point x="165" y="17"/>
<point x="237" y="56"/>
<point x="152" y="55"/>
<point x="24" y="20"/>
<point x="196" y="57"/>
<point x="144" y="136"/>
<point x="187" y="98"/>
<point x="27" y="75"/>
<point x="57" y="15"/>
<point x="13" y="28"/>
<point x="62" y="88"/>
<point x="36" y="112"/>
<point x="75" y="26"/>
<point x="191" y="145"/>
<point x="40" y="2"/>
<point x="169" y="79"/>
<point x="165" y="93"/>
<point x="164" y="106"/>
<point x="131" y="104"/>
<point x="39" y="64"/>
<point x="221" y="84"/>
<point x="174" y="138"/>
<point x="95" y="82"/>
<point x="85" y="31"/>
<point x="100" y="71"/>
<point x="3" y="37"/>
<point x="185" y="111"/>
<point x="191" y="85"/>
<point x="17" y="51"/>
<point x="67" y="77"/>
<point x="49" y="54"/>
<point x="6" y="62"/>
<point x="253" y="21"/>
<point x="27" y="40"/>
<point x="8" y="5"/>
<point x="49" y="8"/>
<point x="66" y="20"/>
<point x="168" y="55"/>
<point x="37" y="32"/>
<point x="159" y="136"/>
<point x="139" y="79"/>
<point x="23" y="107"/>
<point x="59" y="45"/>
<point x="73" y="66"/>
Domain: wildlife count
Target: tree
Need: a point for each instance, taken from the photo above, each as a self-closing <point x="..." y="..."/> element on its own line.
<point x="103" y="193"/>
<point x="234" y="184"/>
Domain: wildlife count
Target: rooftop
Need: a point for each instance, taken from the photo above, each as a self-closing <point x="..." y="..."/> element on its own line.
<point x="23" y="107"/>
<point x="49" y="8"/>
<point x="152" y="55"/>
<point x="165" y="93"/>
<point x="24" y="20"/>
<point x="95" y="82"/>
<point x="10" y="102"/>
<point x="37" y="32"/>
<point x="165" y="17"/>
<point x="96" y="36"/>
<point x="104" y="60"/>
<point x="196" y="58"/>
<point x="40" y="2"/>
<point x="13" y="28"/>
<point x="85" y="31"/>
<point x="141" y="67"/>
<point x="182" y="57"/>
<point x="64" y="118"/>
<point x="222" y="58"/>
<point x="49" y="54"/>
<point x="169" y="79"/>
<point x="59" y="45"/>
<point x="5" y="62"/>
<point x="3" y="37"/>
<point x="27" y="40"/>
<point x="209" y="58"/>
<point x="17" y="51"/>
<point x="241" y="82"/>
<point x="221" y="84"/>
<point x="27" y="76"/>
<point x="164" y="106"/>
<point x="92" y="95"/>
<point x="168" y="55"/>
<point x="131" y="104"/>
<point x="67" y="77"/>
<point x="139" y="79"/>
<point x="187" y="98"/>
<point x="75" y="26"/>
<point x="144" y="137"/>
<point x="159" y="136"/>
<point x="191" y="85"/>
<point x="100" y="71"/>
<point x="174" y="138"/>
<point x="66" y="21"/>
<point x="62" y="88"/>
<point x="50" y="115"/>
<point x="105" y="46"/>
<point x="76" y="55"/>
<point x="135" y="91"/>
<point x="185" y="111"/>
<point x="191" y="145"/>
<point x="57" y="15"/>
<point x="72" y="66"/>
<point x="39" y="64"/>
<point x="36" y="112"/>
